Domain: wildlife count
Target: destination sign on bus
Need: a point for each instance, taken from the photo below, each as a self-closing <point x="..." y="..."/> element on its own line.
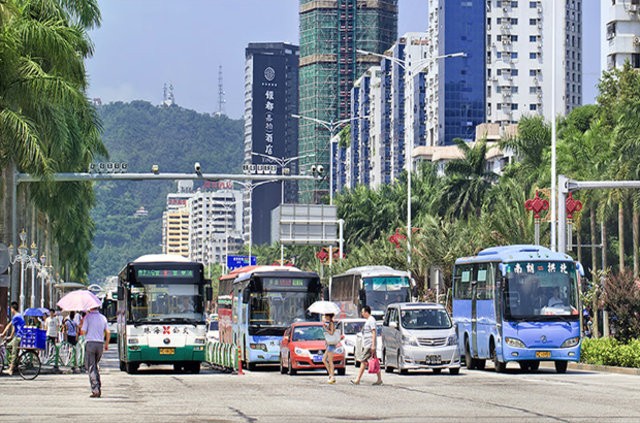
<point x="280" y="283"/>
<point x="164" y="273"/>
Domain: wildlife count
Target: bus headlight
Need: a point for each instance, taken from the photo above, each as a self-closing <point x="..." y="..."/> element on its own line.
<point x="133" y="341"/>
<point x="410" y="340"/>
<point x="262" y="347"/>
<point x="514" y="342"/>
<point x="301" y="351"/>
<point x="200" y="341"/>
<point x="452" y="340"/>
<point x="571" y="342"/>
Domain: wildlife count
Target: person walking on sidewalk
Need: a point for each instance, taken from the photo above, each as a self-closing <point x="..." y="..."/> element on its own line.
<point x="368" y="352"/>
<point x="95" y="329"/>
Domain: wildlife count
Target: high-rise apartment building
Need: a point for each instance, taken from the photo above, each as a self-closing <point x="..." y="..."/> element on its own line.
<point x="215" y="225"/>
<point x="330" y="33"/>
<point x="271" y="133"/>
<point x="512" y="42"/>
<point x="621" y="23"/>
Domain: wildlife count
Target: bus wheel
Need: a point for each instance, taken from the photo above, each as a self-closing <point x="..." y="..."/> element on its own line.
<point x="251" y="366"/>
<point x="178" y="368"/>
<point x="480" y="364"/>
<point x="193" y="368"/>
<point x="131" y="368"/>
<point x="122" y="366"/>
<point x="469" y="361"/>
<point x="499" y="366"/>
<point x="561" y="366"/>
<point x="534" y="366"/>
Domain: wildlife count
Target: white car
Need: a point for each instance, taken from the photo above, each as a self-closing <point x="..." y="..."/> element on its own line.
<point x="350" y="329"/>
<point x="378" y="343"/>
<point x="213" y="335"/>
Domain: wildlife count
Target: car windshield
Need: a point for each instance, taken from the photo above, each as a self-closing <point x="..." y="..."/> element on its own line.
<point x="426" y="318"/>
<point x="308" y="333"/>
<point x="351" y="328"/>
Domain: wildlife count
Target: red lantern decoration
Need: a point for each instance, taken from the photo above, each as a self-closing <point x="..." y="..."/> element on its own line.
<point x="396" y="238"/>
<point x="573" y="206"/>
<point x="536" y="205"/>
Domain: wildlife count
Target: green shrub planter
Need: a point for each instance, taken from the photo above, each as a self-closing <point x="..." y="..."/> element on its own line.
<point x="610" y="352"/>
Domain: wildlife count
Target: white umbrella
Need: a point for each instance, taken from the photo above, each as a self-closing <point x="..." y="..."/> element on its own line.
<point x="82" y="300"/>
<point x="324" y="307"/>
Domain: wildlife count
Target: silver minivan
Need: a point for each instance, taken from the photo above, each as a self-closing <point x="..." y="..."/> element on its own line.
<point x="419" y="336"/>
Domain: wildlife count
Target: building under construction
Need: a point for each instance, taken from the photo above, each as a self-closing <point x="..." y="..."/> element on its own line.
<point x="330" y="33"/>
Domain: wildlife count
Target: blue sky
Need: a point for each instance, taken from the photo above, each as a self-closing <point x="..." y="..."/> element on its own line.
<point x="143" y="44"/>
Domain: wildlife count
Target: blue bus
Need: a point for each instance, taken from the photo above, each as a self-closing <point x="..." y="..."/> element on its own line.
<point x="517" y="303"/>
<point x="265" y="301"/>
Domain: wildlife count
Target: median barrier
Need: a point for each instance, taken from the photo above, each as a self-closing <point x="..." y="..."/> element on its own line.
<point x="221" y="356"/>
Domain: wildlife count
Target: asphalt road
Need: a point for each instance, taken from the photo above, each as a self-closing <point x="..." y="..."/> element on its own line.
<point x="158" y="394"/>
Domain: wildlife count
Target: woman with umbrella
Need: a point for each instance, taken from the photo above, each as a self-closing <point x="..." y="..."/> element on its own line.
<point x="331" y="336"/>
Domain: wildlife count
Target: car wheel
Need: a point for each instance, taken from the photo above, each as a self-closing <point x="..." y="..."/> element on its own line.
<point x="387" y="366"/>
<point x="399" y="361"/>
<point x="437" y="371"/>
<point x="342" y="371"/>
<point x="561" y="366"/>
<point x="534" y="366"/>
<point x="283" y="369"/>
<point x="290" y="368"/>
<point x="454" y="371"/>
<point x="356" y="364"/>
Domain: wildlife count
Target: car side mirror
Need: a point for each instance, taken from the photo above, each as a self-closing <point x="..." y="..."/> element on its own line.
<point x="393" y="325"/>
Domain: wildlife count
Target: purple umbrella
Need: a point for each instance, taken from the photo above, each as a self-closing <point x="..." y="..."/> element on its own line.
<point x="79" y="301"/>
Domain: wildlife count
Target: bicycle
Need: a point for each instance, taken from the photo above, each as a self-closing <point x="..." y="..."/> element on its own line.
<point x="28" y="365"/>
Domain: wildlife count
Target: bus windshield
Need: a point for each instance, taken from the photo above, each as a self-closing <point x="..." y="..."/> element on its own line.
<point x="384" y="290"/>
<point x="425" y="319"/>
<point x="538" y="290"/>
<point x="166" y="302"/>
<point x="273" y="308"/>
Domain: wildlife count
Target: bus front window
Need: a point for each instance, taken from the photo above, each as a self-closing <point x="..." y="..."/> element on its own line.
<point x="535" y="291"/>
<point x="382" y="291"/>
<point x="155" y="302"/>
<point x="279" y="308"/>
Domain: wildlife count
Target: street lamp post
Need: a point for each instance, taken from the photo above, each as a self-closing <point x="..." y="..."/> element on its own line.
<point x="331" y="126"/>
<point x="43" y="274"/>
<point x="23" y="258"/>
<point x="418" y="66"/>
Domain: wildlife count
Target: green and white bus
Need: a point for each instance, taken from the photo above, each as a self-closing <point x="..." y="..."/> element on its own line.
<point x="161" y="317"/>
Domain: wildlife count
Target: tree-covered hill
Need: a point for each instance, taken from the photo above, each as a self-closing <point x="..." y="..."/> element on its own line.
<point x="141" y="135"/>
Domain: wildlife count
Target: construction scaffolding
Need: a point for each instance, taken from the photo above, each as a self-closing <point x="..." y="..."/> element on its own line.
<point x="330" y="33"/>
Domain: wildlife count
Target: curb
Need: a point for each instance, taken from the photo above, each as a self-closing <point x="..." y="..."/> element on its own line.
<point x="608" y="369"/>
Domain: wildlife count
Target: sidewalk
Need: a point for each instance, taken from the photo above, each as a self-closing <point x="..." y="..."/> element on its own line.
<point x="596" y="368"/>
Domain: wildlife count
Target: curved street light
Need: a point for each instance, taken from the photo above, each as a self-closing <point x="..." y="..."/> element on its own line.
<point x="418" y="66"/>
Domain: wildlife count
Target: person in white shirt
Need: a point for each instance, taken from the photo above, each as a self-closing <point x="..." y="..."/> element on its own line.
<point x="369" y="338"/>
<point x="52" y="325"/>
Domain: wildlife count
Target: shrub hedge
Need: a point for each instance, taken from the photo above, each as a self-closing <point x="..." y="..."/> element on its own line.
<point x="610" y="352"/>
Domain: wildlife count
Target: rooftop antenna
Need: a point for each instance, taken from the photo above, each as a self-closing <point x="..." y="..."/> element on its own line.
<point x="221" y="99"/>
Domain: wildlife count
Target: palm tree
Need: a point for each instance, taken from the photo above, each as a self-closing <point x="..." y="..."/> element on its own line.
<point x="467" y="180"/>
<point x="46" y="122"/>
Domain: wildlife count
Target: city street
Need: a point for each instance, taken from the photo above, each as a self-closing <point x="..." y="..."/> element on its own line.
<point x="158" y="394"/>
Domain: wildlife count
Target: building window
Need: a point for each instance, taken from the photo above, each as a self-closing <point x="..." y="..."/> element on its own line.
<point x="514" y="72"/>
<point x="611" y="30"/>
<point x="533" y="38"/>
<point x="635" y="60"/>
<point x="533" y="4"/>
<point x="514" y="106"/>
<point x="533" y="107"/>
<point x="533" y="21"/>
<point x="514" y="55"/>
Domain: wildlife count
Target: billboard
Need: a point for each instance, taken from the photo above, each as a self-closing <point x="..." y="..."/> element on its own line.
<point x="307" y="224"/>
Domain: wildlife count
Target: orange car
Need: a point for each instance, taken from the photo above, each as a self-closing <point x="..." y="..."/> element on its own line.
<point x="303" y="346"/>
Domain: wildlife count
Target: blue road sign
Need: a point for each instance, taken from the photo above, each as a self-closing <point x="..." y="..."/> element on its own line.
<point x="234" y="262"/>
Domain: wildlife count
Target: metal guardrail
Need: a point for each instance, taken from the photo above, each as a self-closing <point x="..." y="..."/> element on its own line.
<point x="64" y="355"/>
<point x="222" y="356"/>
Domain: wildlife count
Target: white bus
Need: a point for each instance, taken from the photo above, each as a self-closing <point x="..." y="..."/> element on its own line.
<point x="161" y="317"/>
<point x="375" y="286"/>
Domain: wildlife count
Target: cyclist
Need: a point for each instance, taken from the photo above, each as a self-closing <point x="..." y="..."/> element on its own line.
<point x="15" y="328"/>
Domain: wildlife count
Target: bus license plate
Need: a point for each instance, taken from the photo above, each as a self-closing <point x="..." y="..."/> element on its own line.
<point x="433" y="359"/>
<point x="167" y="351"/>
<point x="543" y="354"/>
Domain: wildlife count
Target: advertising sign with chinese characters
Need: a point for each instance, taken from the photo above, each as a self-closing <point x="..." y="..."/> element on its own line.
<point x="268" y="106"/>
